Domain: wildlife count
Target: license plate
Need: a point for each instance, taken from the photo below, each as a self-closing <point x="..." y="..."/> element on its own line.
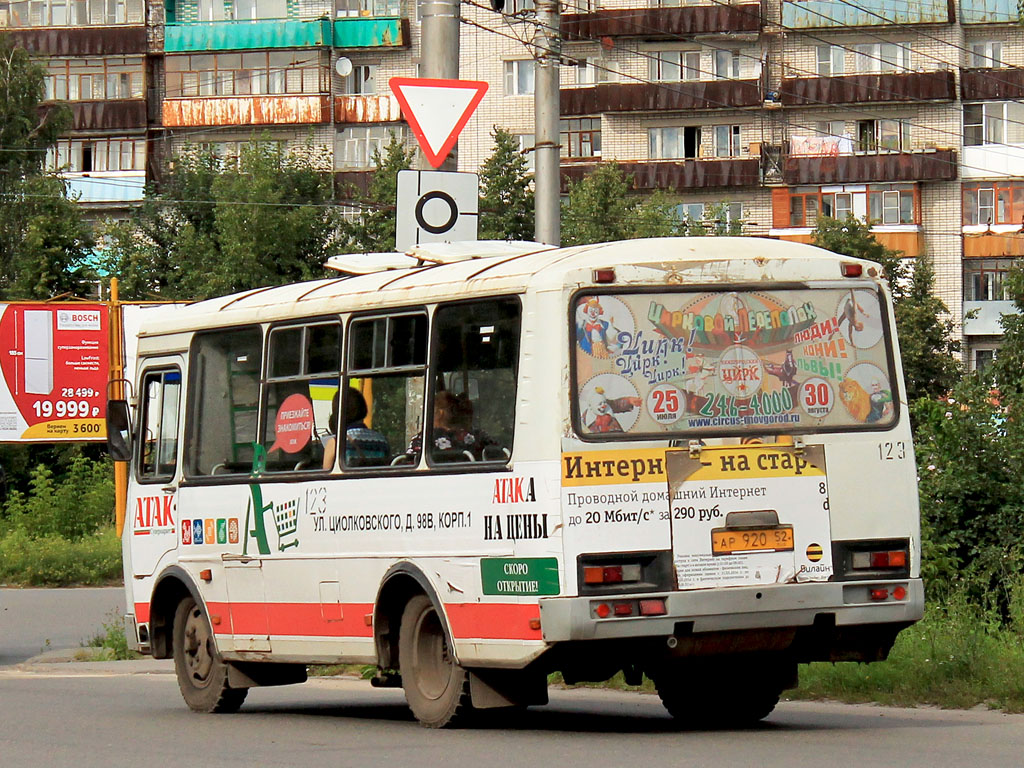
<point x="734" y="541"/>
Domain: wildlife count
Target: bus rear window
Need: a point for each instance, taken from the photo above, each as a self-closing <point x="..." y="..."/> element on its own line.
<point x="728" y="362"/>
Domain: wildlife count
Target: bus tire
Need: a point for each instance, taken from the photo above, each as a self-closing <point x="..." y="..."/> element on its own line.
<point x="436" y="688"/>
<point x="202" y="674"/>
<point x="718" y="695"/>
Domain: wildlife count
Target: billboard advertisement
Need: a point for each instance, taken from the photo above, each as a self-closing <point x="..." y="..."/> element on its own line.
<point x="55" y="362"/>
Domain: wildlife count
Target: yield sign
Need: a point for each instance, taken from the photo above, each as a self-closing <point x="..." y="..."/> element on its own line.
<point x="437" y="110"/>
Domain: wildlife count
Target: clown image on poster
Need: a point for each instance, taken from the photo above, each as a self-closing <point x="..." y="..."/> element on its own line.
<point x="610" y="403"/>
<point x="599" y="321"/>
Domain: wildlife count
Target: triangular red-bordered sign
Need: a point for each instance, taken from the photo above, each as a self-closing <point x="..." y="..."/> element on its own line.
<point x="437" y="110"/>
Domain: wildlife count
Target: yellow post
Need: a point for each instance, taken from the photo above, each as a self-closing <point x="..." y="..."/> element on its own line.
<point x="117" y="393"/>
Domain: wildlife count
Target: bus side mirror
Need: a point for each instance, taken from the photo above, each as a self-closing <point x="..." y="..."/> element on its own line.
<point x="119" y="430"/>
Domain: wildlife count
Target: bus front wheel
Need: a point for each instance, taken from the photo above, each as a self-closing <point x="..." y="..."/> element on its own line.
<point x="436" y="688"/>
<point x="202" y="675"/>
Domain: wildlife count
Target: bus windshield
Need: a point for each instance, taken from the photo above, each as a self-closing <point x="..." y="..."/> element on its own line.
<point x="732" y="362"/>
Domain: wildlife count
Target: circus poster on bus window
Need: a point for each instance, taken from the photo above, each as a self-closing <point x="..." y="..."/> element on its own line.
<point x="788" y="359"/>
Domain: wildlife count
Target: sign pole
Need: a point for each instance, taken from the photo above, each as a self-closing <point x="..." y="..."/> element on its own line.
<point x="439" y="21"/>
<point x="548" y="47"/>
<point x="117" y="393"/>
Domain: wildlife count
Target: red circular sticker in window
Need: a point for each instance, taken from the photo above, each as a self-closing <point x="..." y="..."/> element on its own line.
<point x="294" y="424"/>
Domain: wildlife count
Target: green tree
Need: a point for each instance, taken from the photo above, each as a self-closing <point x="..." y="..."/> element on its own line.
<point x="43" y="240"/>
<point x="216" y="227"/>
<point x="506" y="200"/>
<point x="375" y="232"/>
<point x="601" y="209"/>
<point x="1008" y="367"/>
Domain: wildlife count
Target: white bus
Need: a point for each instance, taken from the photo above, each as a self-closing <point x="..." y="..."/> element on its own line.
<point x="682" y="458"/>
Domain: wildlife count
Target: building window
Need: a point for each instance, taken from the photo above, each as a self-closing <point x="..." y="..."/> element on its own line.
<point x="581" y="137"/>
<point x="877" y="203"/>
<point x="347" y="8"/>
<point x="719" y="218"/>
<point x="245" y="74"/>
<point x="673" y="66"/>
<point x="987" y="54"/>
<point x="831" y="60"/>
<point x="985" y="279"/>
<point x="726" y="140"/>
<point x="361" y="82"/>
<point x="70" y="13"/>
<point x="883" y="135"/>
<point x="519" y="77"/>
<point x="94" y="79"/>
<point x="835" y="128"/>
<point x="673" y="142"/>
<point x="527" y="144"/>
<point x="727" y="65"/>
<point x="873" y="58"/>
<point x="994" y="123"/>
<point x="983" y="358"/>
<point x="993" y="202"/>
<point x="354" y="146"/>
<point x="97" y="155"/>
<point x="590" y="71"/>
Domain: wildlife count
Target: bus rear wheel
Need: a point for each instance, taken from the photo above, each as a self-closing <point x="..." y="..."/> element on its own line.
<point x="436" y="688"/>
<point x="202" y="674"/>
<point x="731" y="693"/>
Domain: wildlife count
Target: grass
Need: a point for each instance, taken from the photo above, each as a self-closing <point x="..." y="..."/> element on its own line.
<point x="111" y="644"/>
<point x="54" y="561"/>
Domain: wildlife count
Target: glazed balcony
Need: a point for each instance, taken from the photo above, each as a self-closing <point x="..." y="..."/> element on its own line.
<point x="247" y="110"/>
<point x="865" y="89"/>
<point x="660" y="97"/>
<point x="263" y="34"/>
<point x="106" y="188"/>
<point x="984" y="318"/>
<point x="986" y="83"/>
<point x="107" y="115"/>
<point x="989" y="12"/>
<point x="824" y="14"/>
<point x="662" y="23"/>
<point x="931" y="165"/>
<point x="83" y="41"/>
<point x="677" y="175"/>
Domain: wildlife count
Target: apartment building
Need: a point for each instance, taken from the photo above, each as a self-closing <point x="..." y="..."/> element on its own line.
<point x="901" y="112"/>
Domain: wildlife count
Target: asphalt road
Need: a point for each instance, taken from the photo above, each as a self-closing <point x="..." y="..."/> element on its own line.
<point x="82" y="715"/>
<point x="33" y="621"/>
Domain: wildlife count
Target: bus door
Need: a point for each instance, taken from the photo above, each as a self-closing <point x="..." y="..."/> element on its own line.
<point x="152" y="528"/>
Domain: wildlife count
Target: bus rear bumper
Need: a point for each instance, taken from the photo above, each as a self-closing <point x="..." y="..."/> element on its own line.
<point x="848" y="604"/>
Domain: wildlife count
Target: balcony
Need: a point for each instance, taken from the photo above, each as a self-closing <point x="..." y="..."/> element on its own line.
<point x="114" y="187"/>
<point x="994" y="244"/>
<point x="366" y="109"/>
<point x="985" y="83"/>
<point x="356" y="32"/>
<point x="910" y="243"/>
<point x="993" y="161"/>
<point x="247" y="110"/>
<point x="855" y="89"/>
<point x="678" y="175"/>
<point x="987" y="317"/>
<point x="662" y="23"/>
<point x="931" y="165"/>
<point x="81" y="41"/>
<point x="660" y="97"/>
<point x="821" y="14"/>
<point x="989" y="12"/>
<point x="106" y="115"/>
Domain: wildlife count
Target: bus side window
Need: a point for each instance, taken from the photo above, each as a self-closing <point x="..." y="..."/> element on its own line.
<point x="225" y="372"/>
<point x="474" y="375"/>
<point x="383" y="396"/>
<point x="161" y="393"/>
<point x="301" y="383"/>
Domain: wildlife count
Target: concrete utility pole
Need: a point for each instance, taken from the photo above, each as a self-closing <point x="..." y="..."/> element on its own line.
<point x="439" y="52"/>
<point x="547" y="42"/>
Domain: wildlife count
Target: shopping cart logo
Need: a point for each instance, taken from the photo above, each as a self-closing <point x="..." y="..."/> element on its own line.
<point x="285" y="517"/>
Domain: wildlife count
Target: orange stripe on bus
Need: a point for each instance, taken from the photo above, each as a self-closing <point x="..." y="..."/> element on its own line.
<point x="490" y="621"/>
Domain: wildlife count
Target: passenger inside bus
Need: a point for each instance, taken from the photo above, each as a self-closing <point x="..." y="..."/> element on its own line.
<point x="364" y="447"/>
<point x="452" y="435"/>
